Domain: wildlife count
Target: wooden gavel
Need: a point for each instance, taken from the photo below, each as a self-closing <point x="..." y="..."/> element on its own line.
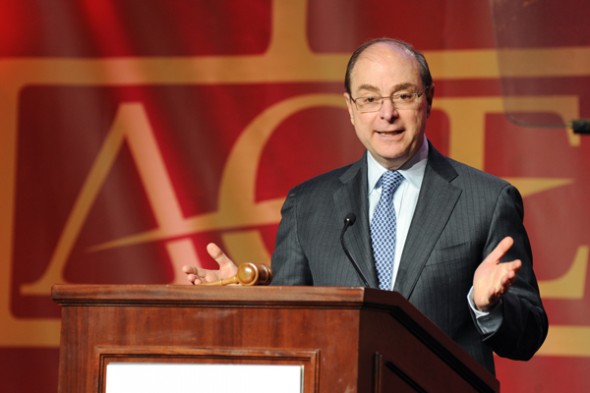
<point x="249" y="274"/>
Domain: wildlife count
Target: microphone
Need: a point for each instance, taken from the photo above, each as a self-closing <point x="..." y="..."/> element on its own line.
<point x="349" y="221"/>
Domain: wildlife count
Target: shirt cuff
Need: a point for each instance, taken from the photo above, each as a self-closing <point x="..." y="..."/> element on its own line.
<point x="487" y="321"/>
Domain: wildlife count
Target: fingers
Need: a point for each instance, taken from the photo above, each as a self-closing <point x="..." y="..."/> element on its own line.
<point x="493" y="278"/>
<point x="192" y="274"/>
<point x="509" y="270"/>
<point x="506" y="270"/>
<point x="188" y="269"/>
<point x="506" y="276"/>
<point x="197" y="275"/>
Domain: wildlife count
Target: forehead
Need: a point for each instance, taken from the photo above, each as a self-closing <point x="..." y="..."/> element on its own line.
<point x="384" y="66"/>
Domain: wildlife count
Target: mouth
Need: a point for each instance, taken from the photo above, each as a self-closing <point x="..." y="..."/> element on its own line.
<point x="392" y="132"/>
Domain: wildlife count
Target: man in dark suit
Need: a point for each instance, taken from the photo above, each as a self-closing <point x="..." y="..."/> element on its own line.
<point x="452" y="239"/>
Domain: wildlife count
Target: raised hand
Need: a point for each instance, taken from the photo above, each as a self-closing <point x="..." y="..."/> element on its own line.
<point x="227" y="268"/>
<point x="493" y="278"/>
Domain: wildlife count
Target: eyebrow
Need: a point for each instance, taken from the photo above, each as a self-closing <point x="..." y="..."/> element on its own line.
<point x="397" y="87"/>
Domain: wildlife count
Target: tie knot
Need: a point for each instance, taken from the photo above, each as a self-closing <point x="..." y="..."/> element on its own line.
<point x="390" y="180"/>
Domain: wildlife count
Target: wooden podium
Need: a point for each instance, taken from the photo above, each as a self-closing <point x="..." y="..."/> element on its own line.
<point x="347" y="339"/>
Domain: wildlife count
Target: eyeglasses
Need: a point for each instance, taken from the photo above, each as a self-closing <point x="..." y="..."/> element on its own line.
<point x="401" y="100"/>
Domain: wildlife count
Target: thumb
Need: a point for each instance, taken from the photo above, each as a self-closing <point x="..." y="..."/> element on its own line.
<point x="500" y="250"/>
<point x="218" y="255"/>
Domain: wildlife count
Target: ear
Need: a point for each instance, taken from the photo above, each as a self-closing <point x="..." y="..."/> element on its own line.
<point x="429" y="98"/>
<point x="350" y="106"/>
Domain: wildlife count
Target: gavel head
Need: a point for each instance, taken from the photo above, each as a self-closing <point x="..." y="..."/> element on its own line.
<point x="250" y="273"/>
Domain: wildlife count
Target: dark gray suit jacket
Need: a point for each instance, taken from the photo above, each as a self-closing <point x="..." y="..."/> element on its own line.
<point x="461" y="215"/>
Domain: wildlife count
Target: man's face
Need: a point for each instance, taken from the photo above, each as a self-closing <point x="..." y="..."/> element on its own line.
<point x="392" y="135"/>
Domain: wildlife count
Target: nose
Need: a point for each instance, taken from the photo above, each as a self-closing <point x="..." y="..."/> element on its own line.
<point x="388" y="111"/>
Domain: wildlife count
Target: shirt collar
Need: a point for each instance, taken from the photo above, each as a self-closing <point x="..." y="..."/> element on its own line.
<point x="413" y="170"/>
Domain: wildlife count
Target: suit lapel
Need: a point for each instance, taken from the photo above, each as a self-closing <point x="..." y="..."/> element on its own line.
<point x="348" y="199"/>
<point x="435" y="204"/>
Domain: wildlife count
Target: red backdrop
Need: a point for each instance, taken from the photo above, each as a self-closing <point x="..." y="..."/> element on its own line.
<point x="133" y="132"/>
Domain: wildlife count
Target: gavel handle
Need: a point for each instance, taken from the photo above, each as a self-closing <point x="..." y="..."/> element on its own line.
<point x="225" y="281"/>
<point x="248" y="274"/>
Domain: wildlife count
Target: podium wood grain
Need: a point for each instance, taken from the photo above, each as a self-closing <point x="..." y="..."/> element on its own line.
<point x="347" y="339"/>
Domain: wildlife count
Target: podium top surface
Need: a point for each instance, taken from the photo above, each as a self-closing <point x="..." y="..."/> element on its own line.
<point x="283" y="296"/>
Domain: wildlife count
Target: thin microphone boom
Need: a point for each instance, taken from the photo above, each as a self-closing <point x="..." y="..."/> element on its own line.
<point x="348" y="222"/>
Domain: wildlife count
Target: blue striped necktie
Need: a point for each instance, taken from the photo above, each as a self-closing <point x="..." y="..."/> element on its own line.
<point x="383" y="228"/>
